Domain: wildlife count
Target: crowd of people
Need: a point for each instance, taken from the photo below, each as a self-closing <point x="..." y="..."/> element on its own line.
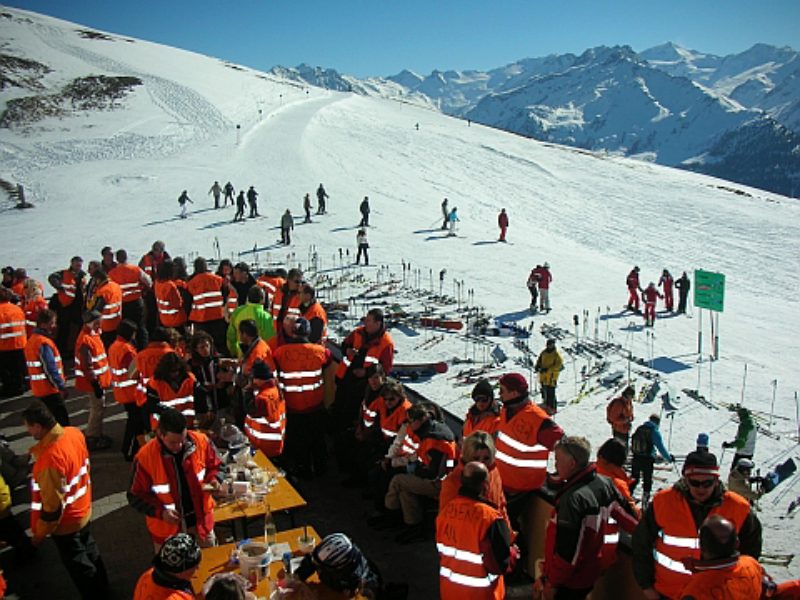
<point x="181" y="353"/>
<point x="651" y="294"/>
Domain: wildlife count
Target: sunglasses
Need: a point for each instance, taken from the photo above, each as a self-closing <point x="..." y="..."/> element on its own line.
<point x="705" y="483"/>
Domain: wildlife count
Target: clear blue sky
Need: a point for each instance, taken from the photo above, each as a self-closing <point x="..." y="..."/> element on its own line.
<point x="381" y="37"/>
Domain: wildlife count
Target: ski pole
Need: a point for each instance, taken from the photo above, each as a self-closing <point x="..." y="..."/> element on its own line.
<point x="772" y="408"/>
<point x="744" y="382"/>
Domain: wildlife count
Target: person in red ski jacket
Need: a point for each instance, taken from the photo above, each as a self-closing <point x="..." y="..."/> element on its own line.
<point x="502" y="223"/>
<point x="632" y="281"/>
<point x="667" y="281"/>
<point x="545" y="277"/>
<point x="650" y="295"/>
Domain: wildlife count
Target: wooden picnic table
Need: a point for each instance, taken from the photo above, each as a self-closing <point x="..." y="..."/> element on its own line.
<point x="282" y="497"/>
<point x="217" y="560"/>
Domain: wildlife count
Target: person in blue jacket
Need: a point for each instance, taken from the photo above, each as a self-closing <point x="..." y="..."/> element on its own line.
<point x="645" y="442"/>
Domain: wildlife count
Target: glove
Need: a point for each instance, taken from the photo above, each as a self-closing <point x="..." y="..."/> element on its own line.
<point x="727" y="444"/>
<point x="98" y="391"/>
<point x="672" y="458"/>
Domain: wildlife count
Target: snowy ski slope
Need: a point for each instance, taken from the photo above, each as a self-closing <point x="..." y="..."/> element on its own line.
<point x="113" y="178"/>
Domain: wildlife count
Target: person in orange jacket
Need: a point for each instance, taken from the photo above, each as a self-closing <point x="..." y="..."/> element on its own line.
<point x="484" y="414"/>
<point x="170" y="577"/>
<point x="473" y="541"/>
<point x="33" y="304"/>
<point x="611" y="463"/>
<point x="265" y="412"/>
<point x="107" y="300"/>
<point x="135" y="283"/>
<point x="157" y="490"/>
<point x="12" y="344"/>
<point x="619" y="414"/>
<point x="721" y="573"/>
<point x="93" y="375"/>
<point x="45" y="368"/>
<point x="61" y="499"/>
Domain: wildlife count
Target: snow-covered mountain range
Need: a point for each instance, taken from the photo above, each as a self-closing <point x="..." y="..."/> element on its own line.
<point x="667" y="104"/>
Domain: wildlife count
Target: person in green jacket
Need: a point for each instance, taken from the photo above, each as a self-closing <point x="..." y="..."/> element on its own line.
<point x="254" y="309"/>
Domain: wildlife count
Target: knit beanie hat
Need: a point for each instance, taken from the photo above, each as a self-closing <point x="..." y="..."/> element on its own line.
<point x="302" y="328"/>
<point x="91" y="315"/>
<point x="483" y="388"/>
<point x="179" y="553"/>
<point x="701" y="463"/>
<point x="702" y="440"/>
<point x="514" y="382"/>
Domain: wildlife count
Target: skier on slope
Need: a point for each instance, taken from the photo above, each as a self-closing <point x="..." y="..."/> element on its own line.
<point x="364" y="208"/>
<point x="252" y="200"/>
<point x="445" y="214"/>
<point x="363" y="246"/>
<point x="287" y="224"/>
<point x="322" y="195"/>
<point x="634" y="289"/>
<point x="228" y="194"/>
<point x="240" y="202"/>
<point x="216" y="190"/>
<point x="684" y="285"/>
<point x="183" y="199"/>
<point x="650" y="295"/>
<point x="667" y="281"/>
<point x="502" y="223"/>
<point x="307" y="208"/>
<point x="452" y="218"/>
<point x="544" y="280"/>
<point x="533" y="286"/>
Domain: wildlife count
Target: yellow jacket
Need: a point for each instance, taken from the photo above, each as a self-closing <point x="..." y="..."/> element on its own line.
<point x="549" y="365"/>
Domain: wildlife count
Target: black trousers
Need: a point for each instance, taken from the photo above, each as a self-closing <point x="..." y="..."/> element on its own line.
<point x="81" y="557"/>
<point x="286" y="237"/>
<point x="133" y="427"/>
<point x="549" y="398"/>
<point x="134" y="311"/>
<point x="12" y="533"/>
<point x="239" y="216"/>
<point x="150" y="312"/>
<point x="305" y="441"/>
<point x="56" y="405"/>
<point x="253" y="210"/>
<point x="12" y="372"/>
<point x="362" y="249"/>
<point x="642" y="466"/>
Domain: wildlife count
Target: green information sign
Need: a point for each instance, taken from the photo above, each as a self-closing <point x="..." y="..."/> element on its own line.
<point x="709" y="290"/>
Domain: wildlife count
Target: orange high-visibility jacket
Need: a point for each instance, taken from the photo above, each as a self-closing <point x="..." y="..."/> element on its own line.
<point x="146" y="362"/>
<point x="69" y="287"/>
<point x="741" y="578"/>
<point x="111" y="293"/>
<point x="460" y="528"/>
<point x="12" y="327"/>
<point x="98" y="362"/>
<point x="68" y="456"/>
<point x="389" y="422"/>
<point x="207" y="301"/>
<point x="181" y="399"/>
<point x="375" y="351"/>
<point x="521" y="459"/>
<point x="170" y="304"/>
<point x="300" y="369"/>
<point x="278" y="299"/>
<point x="266" y="432"/>
<point x="129" y="279"/>
<point x="120" y="356"/>
<point x="40" y="383"/>
<point x="270" y="285"/>
<point x="679" y="537"/>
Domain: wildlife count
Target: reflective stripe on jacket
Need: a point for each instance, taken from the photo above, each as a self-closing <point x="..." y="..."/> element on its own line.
<point x="68" y="456"/>
<point x="375" y="350"/>
<point x="129" y="278"/>
<point x="170" y="304"/>
<point x="460" y="528"/>
<point x="12" y="327"/>
<point x="521" y="459"/>
<point x="266" y="432"/>
<point x="300" y="368"/>
<point x="678" y="536"/>
<point x="111" y="317"/>
<point x="181" y="399"/>
<point x="207" y="301"/>
<point x="126" y="388"/>
<point x="41" y="385"/>
<point x="98" y="362"/>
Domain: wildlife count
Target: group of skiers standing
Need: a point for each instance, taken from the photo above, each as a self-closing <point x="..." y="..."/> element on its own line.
<point x="650" y="294"/>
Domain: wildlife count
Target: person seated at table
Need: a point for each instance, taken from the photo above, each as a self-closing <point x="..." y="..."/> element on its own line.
<point x="226" y="586"/>
<point x="173" y="478"/>
<point x="265" y="418"/>
<point x="173" y="568"/>
<point x="342" y="567"/>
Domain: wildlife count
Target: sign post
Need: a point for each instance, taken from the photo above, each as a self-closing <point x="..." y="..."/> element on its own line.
<point x="709" y="293"/>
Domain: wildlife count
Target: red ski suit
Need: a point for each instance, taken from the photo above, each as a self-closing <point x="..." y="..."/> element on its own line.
<point x="633" y="289"/>
<point x="650" y="295"/>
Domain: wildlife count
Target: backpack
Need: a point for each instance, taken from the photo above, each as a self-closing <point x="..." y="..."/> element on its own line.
<point x="642" y="441"/>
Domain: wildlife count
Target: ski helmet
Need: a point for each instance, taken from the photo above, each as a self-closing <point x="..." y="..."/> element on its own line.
<point x="745" y="464"/>
<point x="334" y="551"/>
